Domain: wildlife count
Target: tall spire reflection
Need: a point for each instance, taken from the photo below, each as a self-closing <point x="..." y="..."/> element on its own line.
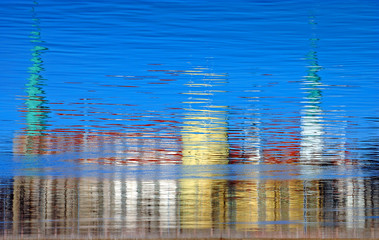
<point x="311" y="119"/>
<point x="36" y="111"/>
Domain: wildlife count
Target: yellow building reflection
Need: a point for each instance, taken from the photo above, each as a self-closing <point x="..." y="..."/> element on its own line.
<point x="209" y="203"/>
<point x="204" y="142"/>
<point x="204" y="133"/>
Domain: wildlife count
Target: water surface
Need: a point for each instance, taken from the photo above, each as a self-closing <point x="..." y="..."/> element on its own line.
<point x="189" y="119"/>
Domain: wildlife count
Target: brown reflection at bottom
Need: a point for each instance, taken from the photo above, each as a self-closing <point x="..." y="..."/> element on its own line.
<point x="44" y="205"/>
<point x="93" y="206"/>
<point x="138" y="207"/>
<point x="203" y="204"/>
<point x="242" y="205"/>
<point x="270" y="204"/>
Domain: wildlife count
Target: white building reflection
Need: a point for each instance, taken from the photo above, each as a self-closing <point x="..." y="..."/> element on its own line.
<point x="312" y="129"/>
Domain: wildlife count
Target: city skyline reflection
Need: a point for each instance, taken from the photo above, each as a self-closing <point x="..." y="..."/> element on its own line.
<point x="189" y="120"/>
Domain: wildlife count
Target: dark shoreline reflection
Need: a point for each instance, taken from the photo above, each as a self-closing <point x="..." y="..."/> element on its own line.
<point x="116" y="206"/>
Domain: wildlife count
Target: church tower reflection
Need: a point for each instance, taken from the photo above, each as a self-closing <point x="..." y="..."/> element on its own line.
<point x="325" y="145"/>
<point x="36" y="111"/>
<point x="204" y="133"/>
<point x="311" y="119"/>
<point x="204" y="142"/>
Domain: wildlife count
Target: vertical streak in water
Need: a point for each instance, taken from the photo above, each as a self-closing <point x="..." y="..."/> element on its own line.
<point x="252" y="141"/>
<point x="312" y="142"/>
<point x="32" y="142"/>
<point x="249" y="196"/>
<point x="36" y="110"/>
<point x="311" y="119"/>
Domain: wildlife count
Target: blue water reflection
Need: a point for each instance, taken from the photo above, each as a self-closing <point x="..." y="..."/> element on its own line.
<point x="195" y="118"/>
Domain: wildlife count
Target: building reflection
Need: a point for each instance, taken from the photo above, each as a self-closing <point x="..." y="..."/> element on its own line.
<point x="312" y="133"/>
<point x="268" y="202"/>
<point x="320" y="146"/>
<point x="204" y="131"/>
<point x="138" y="205"/>
<point x="36" y="111"/>
<point x="211" y="202"/>
<point x="101" y="206"/>
<point x="80" y="205"/>
<point x="131" y="146"/>
<point x="204" y="142"/>
<point x="44" y="205"/>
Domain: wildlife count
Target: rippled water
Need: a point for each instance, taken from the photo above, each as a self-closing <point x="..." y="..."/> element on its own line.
<point x="189" y="118"/>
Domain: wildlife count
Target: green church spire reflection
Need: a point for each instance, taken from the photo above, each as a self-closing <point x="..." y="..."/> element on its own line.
<point x="36" y="111"/>
<point x="311" y="120"/>
<point x="313" y="80"/>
